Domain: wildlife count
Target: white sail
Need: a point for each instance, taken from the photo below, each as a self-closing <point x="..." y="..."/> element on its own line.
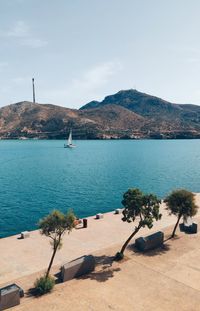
<point x="69" y="142"/>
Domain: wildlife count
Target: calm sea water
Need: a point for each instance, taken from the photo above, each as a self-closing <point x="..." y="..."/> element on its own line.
<point x="39" y="176"/>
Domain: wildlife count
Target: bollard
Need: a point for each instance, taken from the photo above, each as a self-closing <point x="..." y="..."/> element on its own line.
<point x="99" y="216"/>
<point x="84" y="222"/>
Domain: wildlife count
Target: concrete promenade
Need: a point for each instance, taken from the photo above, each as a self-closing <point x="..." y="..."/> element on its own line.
<point x="24" y="257"/>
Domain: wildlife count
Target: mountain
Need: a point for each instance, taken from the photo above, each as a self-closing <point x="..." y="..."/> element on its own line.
<point x="33" y="120"/>
<point x="161" y="117"/>
<point x="141" y="103"/>
<point x="114" y="118"/>
<point x="126" y="114"/>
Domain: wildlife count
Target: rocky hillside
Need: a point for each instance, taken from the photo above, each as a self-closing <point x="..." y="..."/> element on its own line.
<point x="126" y="114"/>
<point x="26" y="119"/>
<point x="161" y="118"/>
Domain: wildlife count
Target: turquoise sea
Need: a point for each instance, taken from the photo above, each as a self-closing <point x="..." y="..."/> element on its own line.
<point x="39" y="176"/>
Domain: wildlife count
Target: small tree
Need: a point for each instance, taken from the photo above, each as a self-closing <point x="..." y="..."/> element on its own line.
<point x="181" y="203"/>
<point x="141" y="207"/>
<point x="54" y="226"/>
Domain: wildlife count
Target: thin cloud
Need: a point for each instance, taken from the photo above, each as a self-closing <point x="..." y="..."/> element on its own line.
<point x="21" y="31"/>
<point x="97" y="76"/>
<point x="34" y="43"/>
<point x="85" y="88"/>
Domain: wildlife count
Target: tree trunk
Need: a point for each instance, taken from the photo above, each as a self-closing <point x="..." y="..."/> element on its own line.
<point x="52" y="259"/>
<point x="127" y="241"/>
<point x="173" y="233"/>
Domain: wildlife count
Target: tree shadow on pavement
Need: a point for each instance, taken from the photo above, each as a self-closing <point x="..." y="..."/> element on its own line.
<point x="104" y="260"/>
<point x="104" y="269"/>
<point x="150" y="253"/>
<point x="32" y="292"/>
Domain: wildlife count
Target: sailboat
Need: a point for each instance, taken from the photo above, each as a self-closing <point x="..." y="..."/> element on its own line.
<point x="69" y="142"/>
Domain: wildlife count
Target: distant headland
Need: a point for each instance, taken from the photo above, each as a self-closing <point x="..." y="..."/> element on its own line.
<point x="128" y="114"/>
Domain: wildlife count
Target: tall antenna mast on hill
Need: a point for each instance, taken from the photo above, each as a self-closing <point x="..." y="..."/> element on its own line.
<point x="33" y="90"/>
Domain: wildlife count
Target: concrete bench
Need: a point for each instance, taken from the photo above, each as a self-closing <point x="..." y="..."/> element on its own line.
<point x="10" y="296"/>
<point x="25" y="234"/>
<point x="21" y="291"/>
<point x="182" y="227"/>
<point x="193" y="228"/>
<point x="118" y="211"/>
<point x="150" y="242"/>
<point x="77" y="267"/>
<point x="188" y="226"/>
<point x="99" y="216"/>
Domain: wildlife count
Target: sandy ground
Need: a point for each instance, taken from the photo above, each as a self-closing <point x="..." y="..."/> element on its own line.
<point x="165" y="279"/>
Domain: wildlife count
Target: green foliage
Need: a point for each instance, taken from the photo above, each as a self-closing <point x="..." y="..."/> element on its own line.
<point x="44" y="285"/>
<point x="181" y="203"/>
<point x="144" y="206"/>
<point x="54" y="226"/>
<point x="141" y="207"/>
<point x="56" y="223"/>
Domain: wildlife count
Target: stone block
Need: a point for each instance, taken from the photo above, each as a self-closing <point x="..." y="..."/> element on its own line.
<point x="77" y="267"/>
<point x="99" y="216"/>
<point x="25" y="234"/>
<point x="150" y="242"/>
<point x="182" y="227"/>
<point x="191" y="229"/>
<point x="9" y="296"/>
<point x="118" y="211"/>
<point x="188" y="226"/>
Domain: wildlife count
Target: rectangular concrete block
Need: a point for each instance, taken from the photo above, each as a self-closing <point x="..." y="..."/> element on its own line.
<point x="21" y="291"/>
<point x="77" y="267"/>
<point x="150" y="242"/>
<point x="9" y="297"/>
<point x="191" y="229"/>
<point x="99" y="216"/>
<point x="25" y="234"/>
<point x="118" y="211"/>
<point x="188" y="226"/>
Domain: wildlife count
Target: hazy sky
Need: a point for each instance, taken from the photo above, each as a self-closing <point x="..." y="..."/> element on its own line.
<point x="83" y="50"/>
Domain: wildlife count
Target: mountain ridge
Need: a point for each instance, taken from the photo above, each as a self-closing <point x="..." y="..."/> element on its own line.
<point x="126" y="114"/>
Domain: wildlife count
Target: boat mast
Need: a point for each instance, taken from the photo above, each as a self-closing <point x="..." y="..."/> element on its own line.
<point x="33" y="84"/>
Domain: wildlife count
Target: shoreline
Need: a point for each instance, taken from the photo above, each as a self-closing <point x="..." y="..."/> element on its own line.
<point x="100" y="139"/>
<point x="172" y="271"/>
<point x="112" y="212"/>
<point x="23" y="257"/>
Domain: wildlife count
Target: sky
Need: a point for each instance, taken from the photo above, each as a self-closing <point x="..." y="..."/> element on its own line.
<point x="83" y="50"/>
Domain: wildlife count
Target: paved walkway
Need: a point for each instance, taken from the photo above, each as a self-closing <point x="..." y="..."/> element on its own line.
<point x="160" y="280"/>
<point x="24" y="257"/>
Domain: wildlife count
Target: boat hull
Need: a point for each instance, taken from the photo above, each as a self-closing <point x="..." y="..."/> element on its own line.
<point x="69" y="146"/>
